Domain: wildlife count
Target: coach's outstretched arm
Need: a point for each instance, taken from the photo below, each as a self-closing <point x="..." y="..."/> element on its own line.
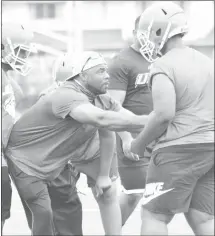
<point x="115" y="121"/>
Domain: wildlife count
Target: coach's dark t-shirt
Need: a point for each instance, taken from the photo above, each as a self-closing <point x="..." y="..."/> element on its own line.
<point x="45" y="138"/>
<point x="128" y="71"/>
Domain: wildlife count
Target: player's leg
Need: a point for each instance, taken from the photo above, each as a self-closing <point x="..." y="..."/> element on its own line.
<point x="201" y="213"/>
<point x="169" y="188"/>
<point x="201" y="223"/>
<point x="108" y="203"/>
<point x="154" y="223"/>
<point x="35" y="193"/>
<point x="133" y="178"/>
<point x="6" y="194"/>
<point x="66" y="205"/>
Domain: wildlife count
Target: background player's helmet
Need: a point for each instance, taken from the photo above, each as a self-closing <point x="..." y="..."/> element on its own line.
<point x="68" y="66"/>
<point x="158" y="23"/>
<point x="16" y="47"/>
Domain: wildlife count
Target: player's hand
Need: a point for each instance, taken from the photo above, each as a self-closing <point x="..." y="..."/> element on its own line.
<point x="103" y="183"/>
<point x="126" y="145"/>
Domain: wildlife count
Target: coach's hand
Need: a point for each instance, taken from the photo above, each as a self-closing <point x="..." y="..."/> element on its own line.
<point x="127" y="151"/>
<point x="103" y="183"/>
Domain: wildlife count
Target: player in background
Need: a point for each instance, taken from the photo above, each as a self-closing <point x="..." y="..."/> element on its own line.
<point x="180" y="178"/>
<point x="16" y="47"/>
<point x="71" y="122"/>
<point x="56" y="81"/>
<point x="128" y="72"/>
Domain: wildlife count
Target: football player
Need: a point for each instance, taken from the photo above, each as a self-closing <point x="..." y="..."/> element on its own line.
<point x="128" y="71"/>
<point x="56" y="81"/>
<point x="16" y="48"/>
<point x="180" y="178"/>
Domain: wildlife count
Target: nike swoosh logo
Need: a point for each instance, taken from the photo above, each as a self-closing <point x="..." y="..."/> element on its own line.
<point x="146" y="200"/>
<point x="133" y="191"/>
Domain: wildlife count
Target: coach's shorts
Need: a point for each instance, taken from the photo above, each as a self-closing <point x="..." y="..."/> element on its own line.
<point x="91" y="170"/>
<point x="132" y="173"/>
<point x="181" y="177"/>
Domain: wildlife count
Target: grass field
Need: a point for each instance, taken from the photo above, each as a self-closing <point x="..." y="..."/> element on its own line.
<point x="17" y="224"/>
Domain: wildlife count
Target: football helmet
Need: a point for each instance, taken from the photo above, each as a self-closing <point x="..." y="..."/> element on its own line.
<point x="16" y="47"/>
<point x="158" y="23"/>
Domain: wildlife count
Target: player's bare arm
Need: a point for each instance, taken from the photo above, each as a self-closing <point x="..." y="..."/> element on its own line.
<point x="107" y="147"/>
<point x="164" y="101"/>
<point x="115" y="121"/>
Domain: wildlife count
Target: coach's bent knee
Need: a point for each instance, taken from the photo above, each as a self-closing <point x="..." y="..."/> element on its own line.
<point x="109" y="195"/>
<point x="146" y="215"/>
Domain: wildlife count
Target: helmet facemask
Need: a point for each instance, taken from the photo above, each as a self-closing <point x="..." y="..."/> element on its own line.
<point x="147" y="49"/>
<point x="152" y="42"/>
<point x="17" y="57"/>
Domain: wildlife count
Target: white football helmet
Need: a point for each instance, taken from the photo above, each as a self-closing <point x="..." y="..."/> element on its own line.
<point x="16" y="47"/>
<point x="158" y="23"/>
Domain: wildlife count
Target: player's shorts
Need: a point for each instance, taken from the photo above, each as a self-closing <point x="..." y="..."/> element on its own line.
<point x="181" y="177"/>
<point x="132" y="173"/>
<point x="91" y="169"/>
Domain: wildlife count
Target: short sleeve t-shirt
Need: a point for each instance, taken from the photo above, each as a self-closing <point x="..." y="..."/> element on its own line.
<point x="192" y="75"/>
<point x="50" y="89"/>
<point x="45" y="138"/>
<point x="128" y="71"/>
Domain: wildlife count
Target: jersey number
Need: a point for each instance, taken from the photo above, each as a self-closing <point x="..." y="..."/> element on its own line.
<point x="142" y="80"/>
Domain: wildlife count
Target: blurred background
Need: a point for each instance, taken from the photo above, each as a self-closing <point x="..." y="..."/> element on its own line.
<point x="103" y="26"/>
